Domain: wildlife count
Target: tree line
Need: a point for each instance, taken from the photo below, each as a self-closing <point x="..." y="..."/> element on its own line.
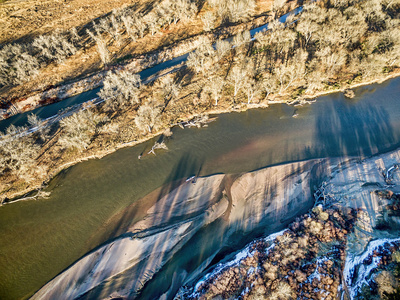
<point x="20" y="62"/>
<point x="330" y="42"/>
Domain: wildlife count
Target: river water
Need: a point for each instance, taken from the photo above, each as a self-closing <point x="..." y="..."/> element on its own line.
<point x="41" y="238"/>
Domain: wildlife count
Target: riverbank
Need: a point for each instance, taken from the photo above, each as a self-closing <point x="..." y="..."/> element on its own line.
<point x="264" y="70"/>
<point x="225" y="107"/>
<point x="349" y="195"/>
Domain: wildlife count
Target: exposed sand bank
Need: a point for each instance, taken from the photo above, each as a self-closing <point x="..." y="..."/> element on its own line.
<point x="268" y="198"/>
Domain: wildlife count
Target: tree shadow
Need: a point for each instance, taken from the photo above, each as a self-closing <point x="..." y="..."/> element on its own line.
<point x="352" y="130"/>
<point x="171" y="206"/>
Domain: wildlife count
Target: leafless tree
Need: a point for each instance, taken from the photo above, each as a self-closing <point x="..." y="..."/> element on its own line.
<point x="293" y="70"/>
<point x="129" y="24"/>
<point x="41" y="130"/>
<point x="115" y="28"/>
<point x="201" y="59"/>
<point x="253" y="88"/>
<point x="79" y="129"/>
<point x="269" y="84"/>
<point x="235" y="10"/>
<point x="17" y="153"/>
<point x="101" y="47"/>
<point x="241" y="38"/>
<point x="222" y="47"/>
<point x="237" y="78"/>
<point x="152" y="23"/>
<point x="307" y="27"/>
<point x="16" y="65"/>
<point x="140" y="25"/>
<point x="208" y="20"/>
<point x="278" y="4"/>
<point x="183" y="10"/>
<point x="170" y="89"/>
<point x="214" y="87"/>
<point x="120" y="89"/>
<point x="54" y="47"/>
<point x="332" y="61"/>
<point x="148" y="116"/>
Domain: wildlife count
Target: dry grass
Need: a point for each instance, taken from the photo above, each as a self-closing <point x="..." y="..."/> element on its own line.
<point x="27" y="19"/>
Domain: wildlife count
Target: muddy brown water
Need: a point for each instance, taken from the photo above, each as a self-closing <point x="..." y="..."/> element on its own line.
<point x="39" y="239"/>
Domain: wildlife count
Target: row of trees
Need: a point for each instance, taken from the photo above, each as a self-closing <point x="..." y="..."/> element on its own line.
<point x="233" y="11"/>
<point x="122" y="91"/>
<point x="21" y="62"/>
<point x="329" y="41"/>
<point x="136" y="24"/>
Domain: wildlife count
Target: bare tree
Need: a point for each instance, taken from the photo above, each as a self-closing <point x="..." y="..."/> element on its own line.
<point x="240" y="10"/>
<point x="253" y="88"/>
<point x="241" y="38"/>
<point x="237" y="78"/>
<point x="41" y="130"/>
<point x="152" y="23"/>
<point x="201" y="59"/>
<point x="214" y="87"/>
<point x="129" y="24"/>
<point x="54" y="47"/>
<point x="140" y="25"/>
<point x="269" y="84"/>
<point x="170" y="89"/>
<point x="316" y="76"/>
<point x="372" y="65"/>
<point x="307" y="27"/>
<point x="278" y="5"/>
<point x="120" y="89"/>
<point x="148" y="116"/>
<point x="208" y="21"/>
<point x="235" y="10"/>
<point x="293" y="70"/>
<point x="332" y="61"/>
<point x="183" y="10"/>
<point x="17" y="153"/>
<point x="101" y="46"/>
<point x="115" y="28"/>
<point x="16" y="65"/>
<point x="222" y="47"/>
<point x="79" y="129"/>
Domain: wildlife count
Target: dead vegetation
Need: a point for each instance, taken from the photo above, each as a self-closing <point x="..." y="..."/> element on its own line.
<point x="304" y="262"/>
<point x="123" y="32"/>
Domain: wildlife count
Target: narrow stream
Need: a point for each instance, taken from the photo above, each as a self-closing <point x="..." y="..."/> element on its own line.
<point x="39" y="239"/>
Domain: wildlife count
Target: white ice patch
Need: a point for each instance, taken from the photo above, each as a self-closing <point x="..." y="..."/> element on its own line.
<point x="250" y="271"/>
<point x="245" y="291"/>
<point x="316" y="273"/>
<point x="364" y="271"/>
<point x="274" y="235"/>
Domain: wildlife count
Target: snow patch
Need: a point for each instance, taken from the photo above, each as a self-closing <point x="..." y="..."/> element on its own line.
<point x="364" y="271"/>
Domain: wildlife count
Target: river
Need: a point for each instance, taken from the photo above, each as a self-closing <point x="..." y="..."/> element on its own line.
<point x="39" y="239"/>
